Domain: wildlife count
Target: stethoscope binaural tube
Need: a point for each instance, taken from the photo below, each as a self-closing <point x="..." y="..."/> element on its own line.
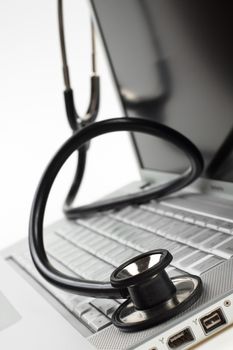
<point x="75" y="120"/>
<point x="74" y="143"/>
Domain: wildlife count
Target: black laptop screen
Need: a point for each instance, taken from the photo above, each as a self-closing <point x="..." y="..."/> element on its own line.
<point x="173" y="62"/>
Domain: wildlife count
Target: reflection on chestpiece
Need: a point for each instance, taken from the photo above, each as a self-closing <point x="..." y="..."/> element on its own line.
<point x="152" y="296"/>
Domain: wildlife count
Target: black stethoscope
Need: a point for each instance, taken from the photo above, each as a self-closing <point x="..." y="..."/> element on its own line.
<point x="152" y="296"/>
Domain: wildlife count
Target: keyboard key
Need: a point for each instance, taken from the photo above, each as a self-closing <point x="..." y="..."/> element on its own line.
<point x="65" y="254"/>
<point x="116" y="228"/>
<point x="65" y="227"/>
<point x="140" y="237"/>
<point x="74" y="233"/>
<point x="147" y="220"/>
<point x="93" y="220"/>
<point x="226" y="227"/>
<point x="174" y="272"/>
<point x="94" y="240"/>
<point x="225" y="250"/>
<point x="179" y="214"/>
<point x="186" y="263"/>
<point x="156" y="242"/>
<point x="80" y="258"/>
<point x="156" y="224"/>
<point x="109" y="227"/>
<point x="123" y="212"/>
<point x="211" y="243"/>
<point x="55" y="246"/>
<point x="111" y="250"/>
<point x="83" y="237"/>
<point x="200" y="221"/>
<point x="169" y="212"/>
<point x="189" y="217"/>
<point x="174" y="229"/>
<point x="84" y="267"/>
<point x="124" y="256"/>
<point x="153" y="222"/>
<point x="126" y="233"/>
<point x="99" y="323"/>
<point x="77" y="262"/>
<point x="174" y="247"/>
<point x="103" y="245"/>
<point x="201" y="237"/>
<point x="89" y="221"/>
<point x="205" y="265"/>
<point x="90" y="315"/>
<point x="74" y="255"/>
<point x="82" y="308"/>
<point x="161" y="224"/>
<point x="106" y="306"/>
<point x="59" y="245"/>
<point x="138" y="215"/>
<point x="50" y="239"/>
<point x="182" y="253"/>
<point x="213" y="223"/>
<point x="71" y="301"/>
<point x="184" y="236"/>
<point x="153" y="206"/>
<point x="120" y="301"/>
<point x="101" y="272"/>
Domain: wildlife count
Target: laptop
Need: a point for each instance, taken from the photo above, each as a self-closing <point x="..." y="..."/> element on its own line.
<point x="171" y="61"/>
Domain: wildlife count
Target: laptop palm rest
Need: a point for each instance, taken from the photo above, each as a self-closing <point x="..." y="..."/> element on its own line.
<point x="8" y="314"/>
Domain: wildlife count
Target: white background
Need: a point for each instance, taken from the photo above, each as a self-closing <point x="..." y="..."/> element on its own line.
<point x="32" y="115"/>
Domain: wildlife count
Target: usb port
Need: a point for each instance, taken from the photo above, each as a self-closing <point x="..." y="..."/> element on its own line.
<point x="180" y="339"/>
<point x="213" y="320"/>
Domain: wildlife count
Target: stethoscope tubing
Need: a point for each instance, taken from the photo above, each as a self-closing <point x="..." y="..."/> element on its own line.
<point x="74" y="143"/>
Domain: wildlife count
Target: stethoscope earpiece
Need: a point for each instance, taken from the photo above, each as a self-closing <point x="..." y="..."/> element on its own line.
<point x="153" y="297"/>
<point x="76" y="121"/>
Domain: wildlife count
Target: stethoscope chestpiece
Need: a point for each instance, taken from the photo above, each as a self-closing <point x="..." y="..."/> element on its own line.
<point x="154" y="297"/>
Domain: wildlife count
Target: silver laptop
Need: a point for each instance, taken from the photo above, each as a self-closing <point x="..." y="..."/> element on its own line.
<point x="171" y="61"/>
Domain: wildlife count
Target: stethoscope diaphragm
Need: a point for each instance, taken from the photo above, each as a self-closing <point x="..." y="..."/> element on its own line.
<point x="153" y="297"/>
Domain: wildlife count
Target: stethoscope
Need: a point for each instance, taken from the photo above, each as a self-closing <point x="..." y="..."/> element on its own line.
<point x="151" y="295"/>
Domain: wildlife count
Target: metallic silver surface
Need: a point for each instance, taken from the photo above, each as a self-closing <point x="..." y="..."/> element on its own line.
<point x="217" y="286"/>
<point x="185" y="286"/>
<point x="63" y="46"/>
<point x="140" y="265"/>
<point x="217" y="283"/>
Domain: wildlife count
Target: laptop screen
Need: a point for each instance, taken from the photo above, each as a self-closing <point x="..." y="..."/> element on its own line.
<point x="173" y="62"/>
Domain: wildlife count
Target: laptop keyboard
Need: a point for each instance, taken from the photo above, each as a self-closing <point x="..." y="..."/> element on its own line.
<point x="92" y="247"/>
